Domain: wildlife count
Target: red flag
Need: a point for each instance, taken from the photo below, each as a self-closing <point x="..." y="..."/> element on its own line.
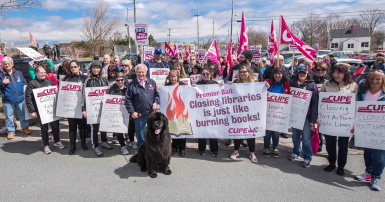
<point x="273" y="44"/>
<point x="168" y="49"/>
<point x="213" y="54"/>
<point x="229" y="57"/>
<point x="31" y="38"/>
<point x="188" y="53"/>
<point x="288" y="37"/>
<point x="175" y="52"/>
<point x="243" y="39"/>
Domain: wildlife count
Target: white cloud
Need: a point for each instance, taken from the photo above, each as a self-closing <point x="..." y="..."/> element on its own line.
<point x="56" y="5"/>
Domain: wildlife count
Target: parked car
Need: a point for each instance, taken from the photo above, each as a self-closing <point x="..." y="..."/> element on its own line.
<point x="84" y="66"/>
<point x="339" y="53"/>
<point x="371" y="58"/>
<point x="324" y="52"/>
<point x="23" y="64"/>
<point x="349" y="61"/>
<point x="289" y="54"/>
<point x="359" y="73"/>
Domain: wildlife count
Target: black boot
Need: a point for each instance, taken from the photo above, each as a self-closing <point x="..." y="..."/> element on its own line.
<point x="83" y="139"/>
<point x="72" y="141"/>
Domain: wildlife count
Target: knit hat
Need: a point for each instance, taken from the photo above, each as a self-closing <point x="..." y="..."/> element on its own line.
<point x="248" y="55"/>
<point x="96" y="63"/>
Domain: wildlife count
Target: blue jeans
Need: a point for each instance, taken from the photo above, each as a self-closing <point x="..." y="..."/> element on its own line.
<point x="306" y="141"/>
<point x="374" y="161"/>
<point x="9" y="109"/>
<point x="271" y="135"/>
<point x="140" y="126"/>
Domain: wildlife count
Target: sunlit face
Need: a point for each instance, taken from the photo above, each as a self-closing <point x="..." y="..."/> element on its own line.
<point x="280" y="62"/>
<point x="302" y="76"/>
<point x="321" y="72"/>
<point x="106" y="60"/>
<point x="141" y="73"/>
<point x="206" y="75"/>
<point x="375" y="81"/>
<point x="74" y="68"/>
<point x="278" y="77"/>
<point x="338" y="76"/>
<point x="40" y="74"/>
<point x="192" y="61"/>
<point x="195" y="70"/>
<point x="173" y="79"/>
<point x="243" y="74"/>
<point x="112" y="74"/>
<point x="117" y="61"/>
<point x="119" y="82"/>
<point x="95" y="70"/>
<point x="177" y="68"/>
<point x="379" y="61"/>
<point x="295" y="63"/>
<point x="125" y="68"/>
<point x="8" y="66"/>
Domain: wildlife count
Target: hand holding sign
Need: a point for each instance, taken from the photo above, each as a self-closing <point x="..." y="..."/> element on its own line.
<point x="5" y="80"/>
<point x="34" y="114"/>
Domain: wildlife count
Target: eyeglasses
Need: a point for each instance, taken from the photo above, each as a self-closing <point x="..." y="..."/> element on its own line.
<point x="205" y="74"/>
<point x="192" y="59"/>
<point x="242" y="72"/>
<point x="125" y="65"/>
<point x="120" y="80"/>
<point x="319" y="70"/>
<point x="379" y="60"/>
<point x="74" y="67"/>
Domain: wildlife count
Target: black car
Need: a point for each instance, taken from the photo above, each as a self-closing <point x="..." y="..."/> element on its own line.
<point x="359" y="72"/>
<point x="22" y="63"/>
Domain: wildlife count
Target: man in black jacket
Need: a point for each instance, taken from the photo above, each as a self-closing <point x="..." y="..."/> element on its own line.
<point x="46" y="50"/>
<point x="245" y="58"/>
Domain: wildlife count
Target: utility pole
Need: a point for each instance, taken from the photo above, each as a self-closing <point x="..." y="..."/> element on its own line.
<point x="232" y="15"/>
<point x="213" y="31"/>
<point x="134" y="12"/>
<point x="197" y="15"/>
<point x="128" y="31"/>
<point x="169" y="35"/>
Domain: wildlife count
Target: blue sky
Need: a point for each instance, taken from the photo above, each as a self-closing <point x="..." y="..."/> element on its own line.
<point x="61" y="20"/>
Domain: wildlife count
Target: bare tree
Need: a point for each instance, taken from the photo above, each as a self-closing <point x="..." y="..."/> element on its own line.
<point x="99" y="25"/>
<point x="371" y="18"/>
<point x="378" y="38"/>
<point x="309" y="27"/>
<point x="23" y="5"/>
<point x="75" y="52"/>
<point x="257" y="36"/>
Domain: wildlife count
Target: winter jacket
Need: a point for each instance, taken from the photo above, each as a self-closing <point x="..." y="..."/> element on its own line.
<point x="203" y="82"/>
<point x="253" y="68"/>
<point x="312" y="112"/>
<point x="320" y="80"/>
<point x="380" y="67"/>
<point x="269" y="71"/>
<point x="130" y="76"/>
<point x="286" y="85"/>
<point x="46" y="49"/>
<point x="362" y="94"/>
<point x="14" y="90"/>
<point x="152" y="64"/>
<point x="29" y="97"/>
<point x="332" y="87"/>
<point x="52" y="77"/>
<point x="170" y="84"/>
<point x="139" y="99"/>
<point x="115" y="90"/>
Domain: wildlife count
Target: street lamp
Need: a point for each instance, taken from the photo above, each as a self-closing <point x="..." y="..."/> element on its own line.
<point x="129" y="39"/>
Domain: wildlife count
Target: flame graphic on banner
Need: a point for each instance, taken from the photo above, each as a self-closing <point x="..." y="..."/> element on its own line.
<point x="178" y="109"/>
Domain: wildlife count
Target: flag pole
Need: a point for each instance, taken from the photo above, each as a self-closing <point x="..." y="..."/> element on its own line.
<point x="292" y="61"/>
<point x="276" y="64"/>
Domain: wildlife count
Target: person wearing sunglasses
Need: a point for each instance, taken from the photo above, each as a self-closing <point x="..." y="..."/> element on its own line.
<point x="245" y="58"/>
<point x="303" y="80"/>
<point x="340" y="82"/>
<point x="96" y="80"/>
<point x="119" y="88"/>
<point x="77" y="77"/>
<point x="189" y="67"/>
<point x="380" y="63"/>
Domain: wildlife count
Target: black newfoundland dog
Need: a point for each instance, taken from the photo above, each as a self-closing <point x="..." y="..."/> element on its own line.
<point x="155" y="153"/>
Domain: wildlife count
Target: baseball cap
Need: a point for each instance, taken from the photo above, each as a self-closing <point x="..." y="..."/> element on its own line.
<point x="158" y="50"/>
<point x="303" y="68"/>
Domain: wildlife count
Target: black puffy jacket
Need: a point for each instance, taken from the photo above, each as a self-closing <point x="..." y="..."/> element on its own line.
<point x="115" y="90"/>
<point x="29" y="98"/>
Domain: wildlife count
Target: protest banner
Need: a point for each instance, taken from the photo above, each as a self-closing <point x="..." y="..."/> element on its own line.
<point x="94" y="99"/>
<point x="319" y="86"/>
<point x="34" y="55"/>
<point x="179" y="47"/>
<point x="185" y="81"/>
<point x="159" y="75"/>
<point x="299" y="107"/>
<point x="141" y="34"/>
<point x="215" y="111"/>
<point x="69" y="100"/>
<point x="148" y="53"/>
<point x="46" y="103"/>
<point x="202" y="56"/>
<point x="194" y="78"/>
<point x="114" y="117"/>
<point x="26" y="113"/>
<point x="223" y="48"/>
<point x="278" y="112"/>
<point x="292" y="47"/>
<point x="256" y="50"/>
<point x="369" y="125"/>
<point x="336" y="113"/>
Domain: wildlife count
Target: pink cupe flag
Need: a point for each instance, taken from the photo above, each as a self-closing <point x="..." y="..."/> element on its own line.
<point x="243" y="40"/>
<point x="229" y="57"/>
<point x="188" y="53"/>
<point x="168" y="49"/>
<point x="175" y="52"/>
<point x="273" y="44"/>
<point x="288" y="37"/>
<point x="213" y="54"/>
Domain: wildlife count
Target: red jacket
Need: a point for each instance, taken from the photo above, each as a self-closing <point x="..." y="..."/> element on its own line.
<point x="286" y="86"/>
<point x="52" y="77"/>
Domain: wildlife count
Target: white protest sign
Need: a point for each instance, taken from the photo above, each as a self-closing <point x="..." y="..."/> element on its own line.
<point x="69" y="100"/>
<point x="159" y="75"/>
<point x="369" y="125"/>
<point x="194" y="78"/>
<point x="236" y="111"/>
<point x="141" y="34"/>
<point x="179" y="47"/>
<point x="292" y="47"/>
<point x="202" y="56"/>
<point x="34" y="55"/>
<point x="223" y="48"/>
<point x="94" y="99"/>
<point x="319" y="86"/>
<point x="336" y="113"/>
<point x="148" y="53"/>
<point x="299" y="107"/>
<point x="278" y="112"/>
<point x="114" y="117"/>
<point x="185" y="81"/>
<point x="235" y="75"/>
<point x="26" y="113"/>
<point x="256" y="76"/>
<point x="46" y="103"/>
<point x="256" y="50"/>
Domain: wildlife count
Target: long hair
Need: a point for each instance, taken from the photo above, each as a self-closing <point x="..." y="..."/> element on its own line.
<point x="278" y="70"/>
<point x="111" y="68"/>
<point x="214" y="70"/>
<point x="172" y="73"/>
<point x="182" y="72"/>
<point x="342" y="69"/>
<point x="372" y="74"/>
<point x="250" y="78"/>
<point x="46" y="67"/>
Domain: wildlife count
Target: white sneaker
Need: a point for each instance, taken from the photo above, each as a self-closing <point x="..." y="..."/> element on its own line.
<point x="47" y="150"/>
<point x="124" y="150"/>
<point x="364" y="177"/>
<point x="133" y="144"/>
<point x="106" y="146"/>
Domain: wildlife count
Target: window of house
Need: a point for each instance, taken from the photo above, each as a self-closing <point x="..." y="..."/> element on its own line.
<point x="364" y="44"/>
<point x="351" y="45"/>
<point x="334" y="45"/>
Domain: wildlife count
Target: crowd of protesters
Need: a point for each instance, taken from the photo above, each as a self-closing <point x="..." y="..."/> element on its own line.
<point x="142" y="98"/>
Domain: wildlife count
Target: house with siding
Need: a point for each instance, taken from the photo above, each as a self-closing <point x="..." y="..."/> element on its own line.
<point x="354" y="39"/>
